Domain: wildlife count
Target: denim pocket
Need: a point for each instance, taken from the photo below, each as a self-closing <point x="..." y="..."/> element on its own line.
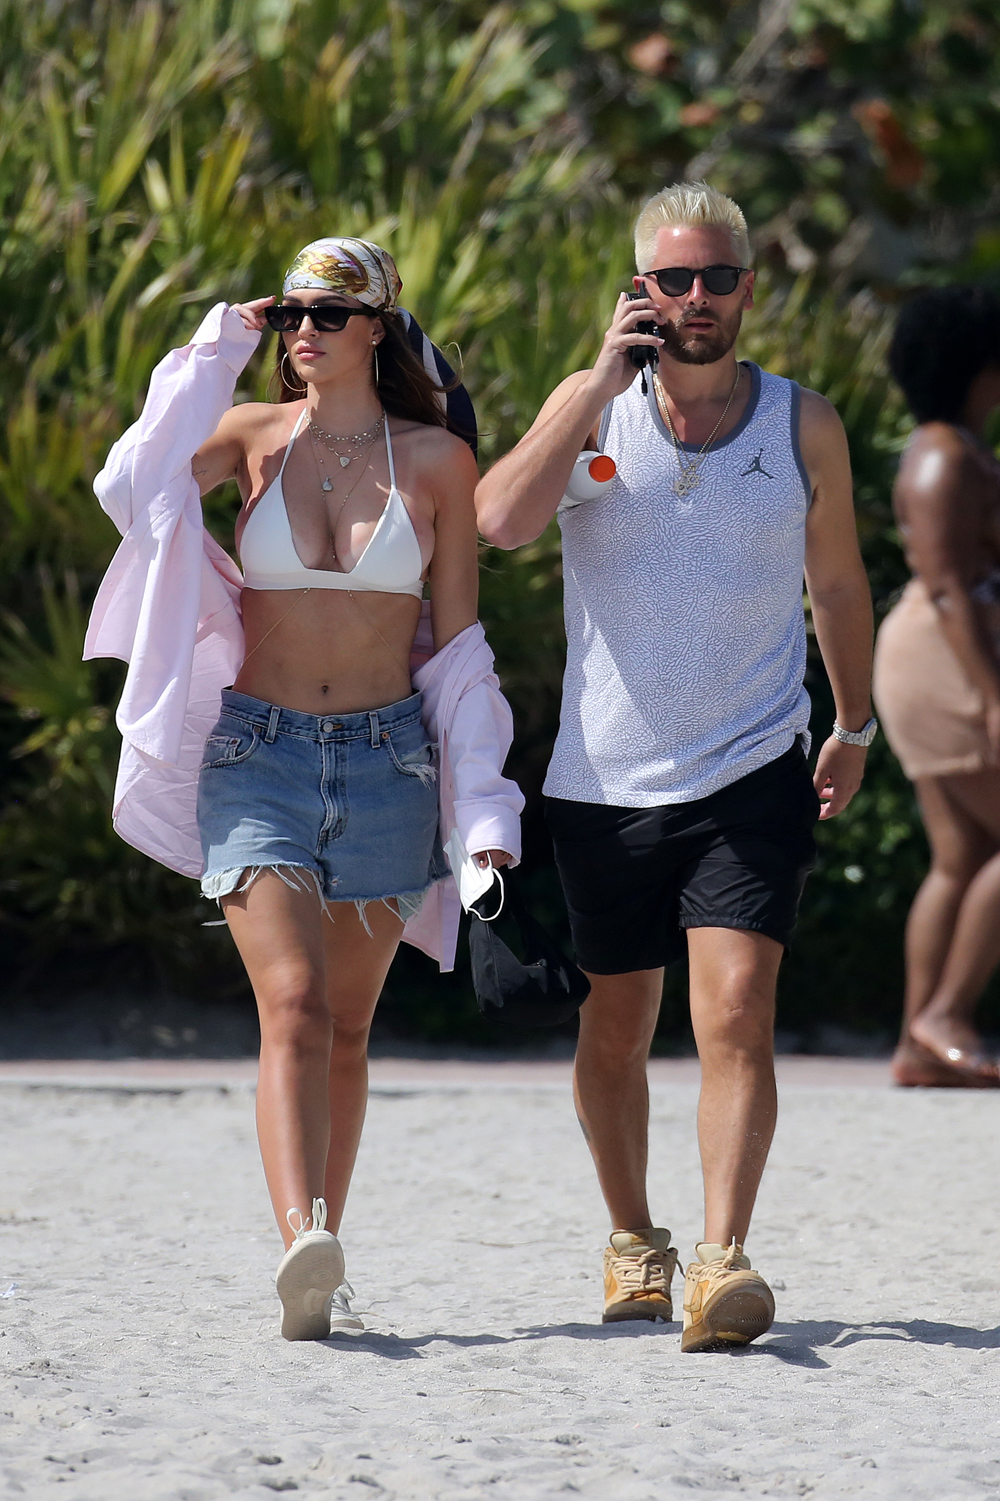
<point x="229" y="750"/>
<point x="416" y="763"/>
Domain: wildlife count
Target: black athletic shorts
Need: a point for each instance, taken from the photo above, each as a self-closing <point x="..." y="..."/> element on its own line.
<point x="635" y="878"/>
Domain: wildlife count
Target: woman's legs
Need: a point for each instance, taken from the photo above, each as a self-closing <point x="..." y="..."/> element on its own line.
<point x="312" y="986"/>
<point x="952" y="932"/>
<point x="356" y="966"/>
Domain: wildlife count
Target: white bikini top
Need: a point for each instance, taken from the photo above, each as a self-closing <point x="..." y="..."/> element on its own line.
<point x="390" y="564"/>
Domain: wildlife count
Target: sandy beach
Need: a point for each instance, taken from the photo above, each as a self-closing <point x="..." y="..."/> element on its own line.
<point x="139" y="1329"/>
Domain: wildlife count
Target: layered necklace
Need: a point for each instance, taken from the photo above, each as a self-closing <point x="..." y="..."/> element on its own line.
<point x="689" y="469"/>
<point x="335" y="443"/>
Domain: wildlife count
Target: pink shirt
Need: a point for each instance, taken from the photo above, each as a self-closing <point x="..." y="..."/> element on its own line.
<point x="169" y="606"/>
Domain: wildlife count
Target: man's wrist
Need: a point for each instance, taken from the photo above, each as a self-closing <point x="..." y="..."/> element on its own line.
<point x="862" y="735"/>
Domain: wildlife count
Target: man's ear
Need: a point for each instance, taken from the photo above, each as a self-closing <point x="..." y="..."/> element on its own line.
<point x="748" y="291"/>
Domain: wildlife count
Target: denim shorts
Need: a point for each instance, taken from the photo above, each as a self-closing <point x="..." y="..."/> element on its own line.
<point x="345" y="802"/>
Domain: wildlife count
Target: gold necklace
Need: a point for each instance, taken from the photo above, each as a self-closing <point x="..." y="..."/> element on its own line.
<point x="689" y="470"/>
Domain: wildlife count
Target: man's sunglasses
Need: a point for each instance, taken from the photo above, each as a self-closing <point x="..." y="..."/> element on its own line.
<point x="719" y="281"/>
<point x="326" y="317"/>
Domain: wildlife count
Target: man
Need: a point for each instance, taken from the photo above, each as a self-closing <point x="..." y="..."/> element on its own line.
<point x="678" y="795"/>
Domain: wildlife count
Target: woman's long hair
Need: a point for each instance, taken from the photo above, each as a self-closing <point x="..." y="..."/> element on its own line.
<point x="403" y="386"/>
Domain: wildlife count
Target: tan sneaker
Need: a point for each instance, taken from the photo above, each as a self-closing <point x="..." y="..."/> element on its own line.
<point x="725" y="1302"/>
<point x="638" y="1266"/>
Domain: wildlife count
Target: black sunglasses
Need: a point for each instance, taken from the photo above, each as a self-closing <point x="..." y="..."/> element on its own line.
<point x="326" y="317"/>
<point x="719" y="281"/>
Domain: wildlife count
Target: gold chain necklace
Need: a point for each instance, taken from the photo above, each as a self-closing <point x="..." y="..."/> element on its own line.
<point x="689" y="470"/>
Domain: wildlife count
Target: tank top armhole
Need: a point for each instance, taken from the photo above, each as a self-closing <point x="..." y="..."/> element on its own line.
<point x="794" y="422"/>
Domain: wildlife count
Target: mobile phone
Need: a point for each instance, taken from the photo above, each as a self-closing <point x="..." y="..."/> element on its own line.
<point x="642" y="355"/>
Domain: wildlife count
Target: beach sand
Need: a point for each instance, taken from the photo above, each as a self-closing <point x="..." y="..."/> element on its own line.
<point x="139" y="1326"/>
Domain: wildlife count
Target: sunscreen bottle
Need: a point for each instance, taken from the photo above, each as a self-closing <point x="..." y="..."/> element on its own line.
<point x="591" y="475"/>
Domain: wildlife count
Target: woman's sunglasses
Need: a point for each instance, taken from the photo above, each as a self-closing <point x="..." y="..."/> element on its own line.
<point x="326" y="318"/>
<point x="719" y="281"/>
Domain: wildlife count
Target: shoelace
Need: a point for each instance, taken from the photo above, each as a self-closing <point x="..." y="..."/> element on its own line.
<point x="651" y="1271"/>
<point x="712" y="1270"/>
<point x="316" y="1221"/>
<point x="339" y="1303"/>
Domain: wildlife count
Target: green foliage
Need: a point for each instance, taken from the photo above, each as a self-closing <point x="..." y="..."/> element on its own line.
<point x="156" y="157"/>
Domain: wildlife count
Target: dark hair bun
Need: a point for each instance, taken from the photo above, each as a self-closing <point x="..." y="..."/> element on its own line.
<point x="943" y="340"/>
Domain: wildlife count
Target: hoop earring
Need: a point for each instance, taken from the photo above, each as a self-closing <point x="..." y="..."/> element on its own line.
<point x="375" y="347"/>
<point x="303" y="385"/>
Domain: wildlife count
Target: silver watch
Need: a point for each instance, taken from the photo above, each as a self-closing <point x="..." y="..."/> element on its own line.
<point x="856" y="737"/>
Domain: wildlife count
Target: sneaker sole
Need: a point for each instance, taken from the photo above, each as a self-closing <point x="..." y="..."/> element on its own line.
<point x="732" y="1320"/>
<point x="626" y="1313"/>
<point x="305" y="1285"/>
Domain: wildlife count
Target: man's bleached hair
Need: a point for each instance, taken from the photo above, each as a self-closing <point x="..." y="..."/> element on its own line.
<point x="691" y="205"/>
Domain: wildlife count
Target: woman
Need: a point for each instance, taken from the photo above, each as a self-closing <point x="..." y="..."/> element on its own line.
<point x="937" y="676"/>
<point x="317" y="796"/>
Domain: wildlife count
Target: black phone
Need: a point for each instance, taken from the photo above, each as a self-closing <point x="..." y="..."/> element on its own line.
<point x="642" y="355"/>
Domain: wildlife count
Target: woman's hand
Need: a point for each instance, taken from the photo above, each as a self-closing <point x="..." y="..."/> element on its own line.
<point x="497" y="857"/>
<point x="252" y="313"/>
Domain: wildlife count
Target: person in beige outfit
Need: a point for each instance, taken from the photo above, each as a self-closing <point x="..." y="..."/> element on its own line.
<point x="937" y="676"/>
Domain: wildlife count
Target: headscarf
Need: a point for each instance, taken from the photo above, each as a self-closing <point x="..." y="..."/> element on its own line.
<point x="357" y="268"/>
<point x="363" y="270"/>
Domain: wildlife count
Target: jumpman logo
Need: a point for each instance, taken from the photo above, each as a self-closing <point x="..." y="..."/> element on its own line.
<point x="757" y="467"/>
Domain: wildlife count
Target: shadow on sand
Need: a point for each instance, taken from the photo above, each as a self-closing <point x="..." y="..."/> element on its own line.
<point x="795" y="1344"/>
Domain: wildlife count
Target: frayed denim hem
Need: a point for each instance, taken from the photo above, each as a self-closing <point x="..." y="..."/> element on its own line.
<point x="405" y="904"/>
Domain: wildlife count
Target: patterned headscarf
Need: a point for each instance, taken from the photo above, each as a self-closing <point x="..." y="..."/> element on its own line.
<point x="357" y="268"/>
<point x="361" y="269"/>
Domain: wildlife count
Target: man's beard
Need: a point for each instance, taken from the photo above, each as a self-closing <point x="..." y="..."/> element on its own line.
<point x="700" y="349"/>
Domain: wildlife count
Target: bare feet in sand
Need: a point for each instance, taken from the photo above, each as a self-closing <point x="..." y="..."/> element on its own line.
<point x="944" y="1054"/>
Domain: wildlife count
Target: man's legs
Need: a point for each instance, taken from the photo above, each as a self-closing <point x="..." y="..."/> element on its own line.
<point x="733" y="979"/>
<point x="617" y="1021"/>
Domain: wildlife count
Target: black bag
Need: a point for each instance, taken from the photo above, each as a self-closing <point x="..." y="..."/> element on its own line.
<point x="543" y="989"/>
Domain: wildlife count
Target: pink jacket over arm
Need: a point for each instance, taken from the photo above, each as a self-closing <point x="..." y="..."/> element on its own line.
<point x="169" y="606"/>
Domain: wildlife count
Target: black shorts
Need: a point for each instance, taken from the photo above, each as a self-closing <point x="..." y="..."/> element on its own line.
<point x="635" y="878"/>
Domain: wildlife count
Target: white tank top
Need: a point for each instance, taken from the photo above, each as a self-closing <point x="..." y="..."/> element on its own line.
<point x="686" y="644"/>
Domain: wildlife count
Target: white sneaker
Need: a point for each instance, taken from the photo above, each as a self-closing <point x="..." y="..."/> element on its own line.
<point x="310" y="1272"/>
<point x="342" y="1315"/>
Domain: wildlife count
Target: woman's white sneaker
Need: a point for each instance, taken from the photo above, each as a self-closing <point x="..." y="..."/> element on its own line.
<point x="342" y="1315"/>
<point x="311" y="1271"/>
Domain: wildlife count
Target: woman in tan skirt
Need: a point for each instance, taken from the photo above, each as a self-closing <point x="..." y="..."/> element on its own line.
<point x="937" y="676"/>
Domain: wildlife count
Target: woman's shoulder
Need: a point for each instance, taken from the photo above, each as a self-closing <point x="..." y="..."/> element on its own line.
<point x="251" y="419"/>
<point x="429" y="444"/>
<point x="937" y="457"/>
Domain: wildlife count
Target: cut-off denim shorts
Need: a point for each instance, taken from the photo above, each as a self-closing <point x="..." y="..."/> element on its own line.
<point x="344" y="803"/>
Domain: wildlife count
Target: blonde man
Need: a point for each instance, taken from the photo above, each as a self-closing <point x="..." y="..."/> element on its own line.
<point x="678" y="794"/>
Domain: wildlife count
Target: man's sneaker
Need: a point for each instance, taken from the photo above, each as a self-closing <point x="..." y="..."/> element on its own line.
<point x="726" y="1303"/>
<point x="308" y="1275"/>
<point x="638" y="1266"/>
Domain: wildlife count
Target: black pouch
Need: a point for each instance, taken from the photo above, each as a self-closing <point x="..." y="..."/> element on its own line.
<point x="540" y="990"/>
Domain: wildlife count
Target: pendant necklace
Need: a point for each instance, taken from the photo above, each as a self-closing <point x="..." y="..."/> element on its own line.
<point x="689" y="470"/>
<point x="357" y="441"/>
<point x="327" y="483"/>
